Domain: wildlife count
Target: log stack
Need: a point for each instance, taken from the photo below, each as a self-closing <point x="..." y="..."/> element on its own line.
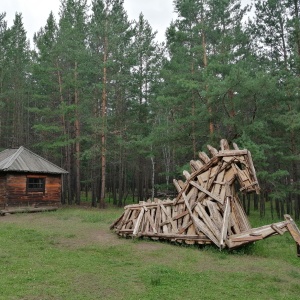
<point x="207" y="208"/>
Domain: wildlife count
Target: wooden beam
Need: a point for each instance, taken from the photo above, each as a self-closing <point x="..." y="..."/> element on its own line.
<point x="293" y="229"/>
<point x="215" y="197"/>
<point x="138" y="222"/>
<point x="225" y="223"/>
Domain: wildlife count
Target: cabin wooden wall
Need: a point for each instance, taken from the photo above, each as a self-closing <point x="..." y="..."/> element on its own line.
<point x="16" y="194"/>
<point x="2" y="190"/>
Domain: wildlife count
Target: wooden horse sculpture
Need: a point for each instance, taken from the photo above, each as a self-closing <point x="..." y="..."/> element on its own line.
<point x="207" y="208"/>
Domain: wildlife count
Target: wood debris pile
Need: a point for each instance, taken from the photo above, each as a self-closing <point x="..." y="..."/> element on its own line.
<point x="207" y="208"/>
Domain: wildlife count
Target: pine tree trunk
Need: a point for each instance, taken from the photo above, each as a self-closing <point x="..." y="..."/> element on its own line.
<point x="104" y="127"/>
<point x="77" y="136"/>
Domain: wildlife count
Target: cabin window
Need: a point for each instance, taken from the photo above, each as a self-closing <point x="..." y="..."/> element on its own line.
<point x="36" y="184"/>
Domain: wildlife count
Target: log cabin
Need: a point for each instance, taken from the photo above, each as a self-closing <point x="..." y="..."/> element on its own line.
<point x="28" y="180"/>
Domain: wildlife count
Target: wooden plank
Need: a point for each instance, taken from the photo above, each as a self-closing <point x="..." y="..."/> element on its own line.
<point x="190" y="212"/>
<point x="232" y="153"/>
<point x="180" y="215"/>
<point x="263" y="231"/>
<point x="138" y="222"/>
<point x="180" y="210"/>
<point x="181" y="230"/>
<point x="277" y="229"/>
<point x="151" y="221"/>
<point x="215" y="213"/>
<point x="229" y="175"/>
<point x="186" y="174"/>
<point x="190" y="232"/>
<point x="235" y="146"/>
<point x="115" y="223"/>
<point x="204" y="177"/>
<point x="293" y="229"/>
<point x="195" y="165"/>
<point x="217" y="186"/>
<point x="224" y="145"/>
<point x="251" y="166"/>
<point x="215" y="197"/>
<point x="240" y="214"/>
<point x="206" y="167"/>
<point x="225" y="223"/>
<point x="203" y="156"/>
<point x="124" y="219"/>
<point x="169" y="218"/>
<point x="213" y="151"/>
<point x="247" y="239"/>
<point x="214" y="171"/>
<point x="201" y="227"/>
<point x="208" y="221"/>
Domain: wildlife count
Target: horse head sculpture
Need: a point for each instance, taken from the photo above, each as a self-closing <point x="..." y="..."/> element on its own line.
<point x="207" y="208"/>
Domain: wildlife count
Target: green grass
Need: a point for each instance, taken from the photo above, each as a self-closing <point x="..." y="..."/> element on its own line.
<point x="72" y="254"/>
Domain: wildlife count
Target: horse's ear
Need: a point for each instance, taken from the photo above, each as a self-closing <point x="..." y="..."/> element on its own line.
<point x="224" y="145"/>
<point x="235" y="146"/>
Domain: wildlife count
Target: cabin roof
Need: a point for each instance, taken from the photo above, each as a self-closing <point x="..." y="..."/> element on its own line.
<point x="24" y="160"/>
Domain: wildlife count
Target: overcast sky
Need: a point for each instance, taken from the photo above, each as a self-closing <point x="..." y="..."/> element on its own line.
<point x="159" y="13"/>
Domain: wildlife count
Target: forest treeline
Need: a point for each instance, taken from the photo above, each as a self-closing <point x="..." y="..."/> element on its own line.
<point x="97" y="94"/>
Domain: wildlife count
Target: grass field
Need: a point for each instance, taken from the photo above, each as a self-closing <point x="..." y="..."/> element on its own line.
<point x="72" y="254"/>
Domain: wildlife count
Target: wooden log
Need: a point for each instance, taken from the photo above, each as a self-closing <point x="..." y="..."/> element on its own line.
<point x="18" y="210"/>
<point x="178" y="236"/>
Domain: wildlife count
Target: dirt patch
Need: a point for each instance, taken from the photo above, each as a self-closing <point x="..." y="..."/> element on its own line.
<point x="71" y="232"/>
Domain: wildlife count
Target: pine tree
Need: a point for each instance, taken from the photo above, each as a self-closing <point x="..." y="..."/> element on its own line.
<point x="15" y="81"/>
<point x="61" y="62"/>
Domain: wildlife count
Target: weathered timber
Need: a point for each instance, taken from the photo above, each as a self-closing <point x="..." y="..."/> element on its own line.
<point x="17" y="210"/>
<point x="207" y="208"/>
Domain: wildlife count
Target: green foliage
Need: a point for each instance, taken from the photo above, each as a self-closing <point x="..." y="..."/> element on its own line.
<point x="217" y="76"/>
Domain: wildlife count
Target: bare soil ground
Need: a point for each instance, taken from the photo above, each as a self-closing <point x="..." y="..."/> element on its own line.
<point x="70" y="232"/>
